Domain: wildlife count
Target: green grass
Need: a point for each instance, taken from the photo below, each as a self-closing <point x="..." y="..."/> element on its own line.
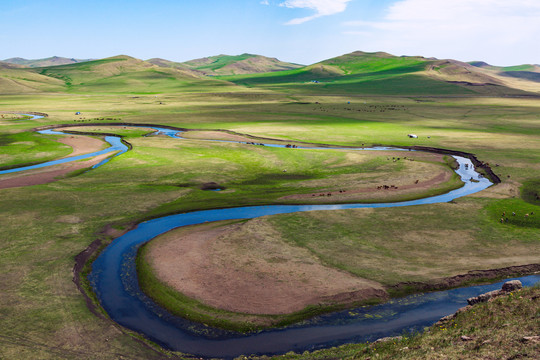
<point x="395" y="245"/>
<point x="530" y="192"/>
<point x="526" y="214"/>
<point x="525" y="67"/>
<point x="28" y="148"/>
<point x="372" y="63"/>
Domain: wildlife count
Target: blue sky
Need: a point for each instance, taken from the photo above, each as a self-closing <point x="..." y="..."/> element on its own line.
<point x="501" y="32"/>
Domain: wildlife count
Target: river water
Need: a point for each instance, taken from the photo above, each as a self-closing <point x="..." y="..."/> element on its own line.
<point x="114" y="142"/>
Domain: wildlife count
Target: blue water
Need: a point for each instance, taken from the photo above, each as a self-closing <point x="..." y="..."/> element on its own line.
<point x="33" y="117"/>
<point x="406" y="315"/>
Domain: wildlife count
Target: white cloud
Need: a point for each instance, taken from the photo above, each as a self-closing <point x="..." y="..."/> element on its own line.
<point x="321" y="7"/>
<point x="472" y="29"/>
<point x="265" y="2"/>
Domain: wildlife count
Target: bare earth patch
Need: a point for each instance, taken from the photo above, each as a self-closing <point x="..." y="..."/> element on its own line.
<point x="80" y="144"/>
<point x="214" y="135"/>
<point x="46" y="175"/>
<point x="504" y="190"/>
<point x="370" y="192"/>
<point x="244" y="267"/>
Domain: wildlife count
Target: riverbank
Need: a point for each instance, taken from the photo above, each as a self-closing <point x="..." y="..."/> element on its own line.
<point x="215" y="284"/>
<point x="504" y="328"/>
<point x="244" y="276"/>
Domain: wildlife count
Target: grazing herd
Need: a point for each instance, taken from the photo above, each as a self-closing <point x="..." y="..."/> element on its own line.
<point x="254" y="143"/>
<point x="366" y="108"/>
<point x="504" y="218"/>
<point x="328" y="194"/>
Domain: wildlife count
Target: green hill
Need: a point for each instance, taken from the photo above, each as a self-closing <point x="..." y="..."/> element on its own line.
<point x="238" y="64"/>
<point x="355" y="73"/>
<point x="176" y="65"/>
<point x="119" y="74"/>
<point x="384" y="74"/>
<point x="16" y="79"/>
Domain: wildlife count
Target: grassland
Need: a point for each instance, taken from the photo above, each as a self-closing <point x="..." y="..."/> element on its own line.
<point x="44" y="227"/>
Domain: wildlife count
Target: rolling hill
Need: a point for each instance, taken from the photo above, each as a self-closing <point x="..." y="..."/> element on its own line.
<point x="17" y="79"/>
<point x="528" y="72"/>
<point x="118" y="74"/>
<point x="238" y="64"/>
<point x="385" y="74"/>
<point x="359" y="73"/>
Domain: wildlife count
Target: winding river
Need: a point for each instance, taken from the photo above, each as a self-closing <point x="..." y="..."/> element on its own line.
<point x="114" y="280"/>
<point x="115" y="143"/>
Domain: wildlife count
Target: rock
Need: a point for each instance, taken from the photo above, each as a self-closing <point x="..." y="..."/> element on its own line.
<point x="445" y="319"/>
<point x="534" y="339"/>
<point x="466" y="338"/>
<point x="512" y="286"/>
<point x="484" y="297"/>
<point x="385" y="339"/>
<point x="507" y="287"/>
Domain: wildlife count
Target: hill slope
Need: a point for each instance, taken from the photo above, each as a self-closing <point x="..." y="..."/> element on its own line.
<point x="238" y="64"/>
<point x="119" y="74"/>
<point x="381" y="73"/>
<point x="522" y="76"/>
<point x="355" y="73"/>
<point x="16" y="79"/>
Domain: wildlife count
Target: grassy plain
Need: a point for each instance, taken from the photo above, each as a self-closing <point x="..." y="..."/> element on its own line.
<point x="44" y="227"/>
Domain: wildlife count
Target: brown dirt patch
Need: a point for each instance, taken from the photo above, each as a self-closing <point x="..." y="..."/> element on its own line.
<point x="347" y="193"/>
<point x="246" y="268"/>
<point x="69" y="219"/>
<point x="46" y="175"/>
<point x="82" y="144"/>
<point x="214" y="135"/>
<point x="505" y="190"/>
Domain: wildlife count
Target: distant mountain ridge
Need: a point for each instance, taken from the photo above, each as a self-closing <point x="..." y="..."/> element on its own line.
<point x="117" y="74"/>
<point x="358" y="72"/>
<point x="50" y="61"/>
<point x="385" y="74"/>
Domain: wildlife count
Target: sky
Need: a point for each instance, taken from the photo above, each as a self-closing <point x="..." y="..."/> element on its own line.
<point x="500" y="32"/>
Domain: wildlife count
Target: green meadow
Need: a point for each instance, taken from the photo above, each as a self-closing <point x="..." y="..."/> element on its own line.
<point x="358" y="101"/>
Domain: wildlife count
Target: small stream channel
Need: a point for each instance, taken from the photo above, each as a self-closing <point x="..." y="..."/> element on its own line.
<point x="115" y="143"/>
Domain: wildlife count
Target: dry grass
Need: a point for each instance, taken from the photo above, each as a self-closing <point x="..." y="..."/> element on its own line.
<point x="247" y="268"/>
